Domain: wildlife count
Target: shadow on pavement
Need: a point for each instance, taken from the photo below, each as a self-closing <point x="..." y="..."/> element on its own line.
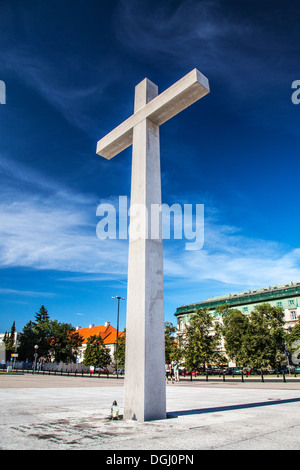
<point x="174" y="414"/>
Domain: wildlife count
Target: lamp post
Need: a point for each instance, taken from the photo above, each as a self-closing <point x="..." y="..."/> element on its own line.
<point x="35" y="357"/>
<point x="119" y="298"/>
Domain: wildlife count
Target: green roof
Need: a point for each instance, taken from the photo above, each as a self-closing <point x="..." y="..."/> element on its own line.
<point x="252" y="296"/>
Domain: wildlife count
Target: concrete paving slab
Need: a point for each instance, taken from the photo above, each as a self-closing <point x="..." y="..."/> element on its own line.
<point x="50" y="413"/>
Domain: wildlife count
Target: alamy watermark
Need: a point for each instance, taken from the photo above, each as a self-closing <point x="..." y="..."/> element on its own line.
<point x="296" y="94"/>
<point x="2" y="92"/>
<point x="161" y="221"/>
<point x="296" y="352"/>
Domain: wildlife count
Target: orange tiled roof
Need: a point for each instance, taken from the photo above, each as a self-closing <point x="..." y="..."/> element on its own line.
<point x="108" y="333"/>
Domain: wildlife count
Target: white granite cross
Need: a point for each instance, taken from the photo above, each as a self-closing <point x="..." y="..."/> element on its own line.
<point x="144" y="387"/>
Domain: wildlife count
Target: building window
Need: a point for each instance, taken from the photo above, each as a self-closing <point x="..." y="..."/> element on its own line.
<point x="279" y="304"/>
<point x="293" y="315"/>
<point x="291" y="302"/>
<point x="245" y="309"/>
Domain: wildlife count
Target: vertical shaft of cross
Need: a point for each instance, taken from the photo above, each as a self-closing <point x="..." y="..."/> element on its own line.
<point x="144" y="389"/>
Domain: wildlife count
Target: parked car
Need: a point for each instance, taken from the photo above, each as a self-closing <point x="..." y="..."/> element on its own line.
<point x="193" y="372"/>
<point x="101" y="370"/>
<point x="212" y="371"/>
<point x="238" y="370"/>
<point x="227" y="370"/>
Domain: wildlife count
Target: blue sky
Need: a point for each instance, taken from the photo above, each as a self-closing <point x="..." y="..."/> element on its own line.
<point x="70" y="70"/>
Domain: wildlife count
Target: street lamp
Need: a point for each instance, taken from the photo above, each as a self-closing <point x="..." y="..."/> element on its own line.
<point x="119" y="298"/>
<point x="35" y="357"/>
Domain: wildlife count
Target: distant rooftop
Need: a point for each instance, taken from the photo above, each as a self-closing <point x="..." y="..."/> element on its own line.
<point x="107" y="332"/>
<point x="255" y="295"/>
<point x="255" y="291"/>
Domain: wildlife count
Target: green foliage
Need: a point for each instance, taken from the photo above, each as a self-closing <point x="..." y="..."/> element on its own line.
<point x="235" y="327"/>
<point x="43" y="333"/>
<point x="293" y="341"/>
<point x="201" y="340"/>
<point x="42" y="316"/>
<point x="65" y="342"/>
<point x="294" y="335"/>
<point x="27" y="341"/>
<point x="254" y="340"/>
<point x="119" y="354"/>
<point x="55" y="340"/>
<point x="172" y="351"/>
<point x="9" y="341"/>
<point x="96" y="353"/>
<point x="36" y="333"/>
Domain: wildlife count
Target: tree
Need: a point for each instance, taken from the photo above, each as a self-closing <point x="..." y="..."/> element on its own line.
<point x="235" y="327"/>
<point x="27" y="341"/>
<point x="96" y="353"/>
<point x="201" y="340"/>
<point x="43" y="332"/>
<point x="255" y="340"/>
<point x="65" y="342"/>
<point x="9" y="342"/>
<point x="119" y="355"/>
<point x="265" y="336"/>
<point x="55" y="340"/>
<point x="293" y="341"/>
<point x="170" y="342"/>
<point x="42" y="316"/>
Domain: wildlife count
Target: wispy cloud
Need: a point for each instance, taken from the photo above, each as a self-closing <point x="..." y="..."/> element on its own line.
<point x="46" y="76"/>
<point x="197" y="32"/>
<point x="246" y="267"/>
<point x="243" y="58"/>
<point x="26" y="293"/>
<point x="54" y="228"/>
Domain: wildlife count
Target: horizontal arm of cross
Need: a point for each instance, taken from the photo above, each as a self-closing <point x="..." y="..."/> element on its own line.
<point x="177" y="97"/>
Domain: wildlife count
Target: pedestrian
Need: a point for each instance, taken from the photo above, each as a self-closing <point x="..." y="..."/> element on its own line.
<point x="176" y="371"/>
<point x="168" y="372"/>
<point x="172" y="373"/>
<point x="114" y="411"/>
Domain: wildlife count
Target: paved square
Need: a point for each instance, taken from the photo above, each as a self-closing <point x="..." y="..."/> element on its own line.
<point x="54" y="412"/>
